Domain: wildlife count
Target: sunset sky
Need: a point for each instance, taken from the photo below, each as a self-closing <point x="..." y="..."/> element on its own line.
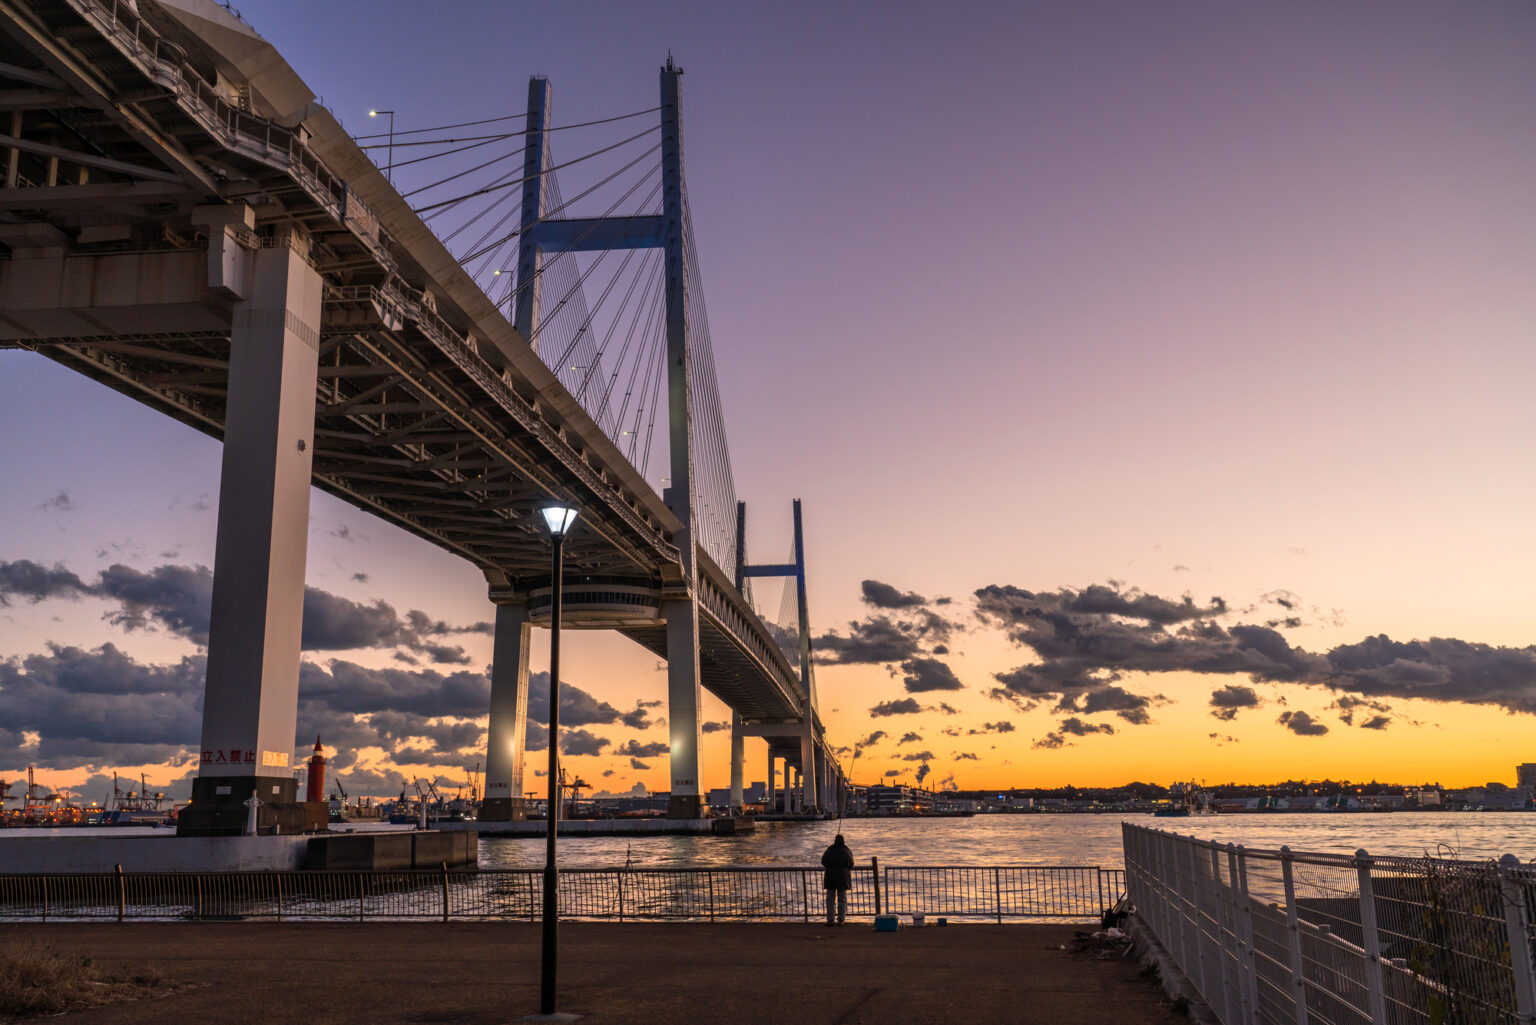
<point x="1156" y="378"/>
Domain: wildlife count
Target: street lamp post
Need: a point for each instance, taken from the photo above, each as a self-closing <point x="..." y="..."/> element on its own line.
<point x="559" y="519"/>
<point x="389" y="168"/>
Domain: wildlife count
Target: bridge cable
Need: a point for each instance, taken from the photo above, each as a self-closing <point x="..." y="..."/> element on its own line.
<point x="506" y="117"/>
<point x="528" y="178"/>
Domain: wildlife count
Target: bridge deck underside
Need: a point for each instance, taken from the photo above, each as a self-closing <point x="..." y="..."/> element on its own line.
<point x="724" y="670"/>
<point x="412" y="421"/>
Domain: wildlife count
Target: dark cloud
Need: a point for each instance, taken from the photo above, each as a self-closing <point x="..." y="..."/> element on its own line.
<point x="581" y="742"/>
<point x="873" y="738"/>
<point x="179" y="599"/>
<point x="922" y="772"/>
<point x="901" y="706"/>
<point x="577" y="707"/>
<point x="361" y="578"/>
<point x="884" y="596"/>
<point x="918" y="756"/>
<point x="1348" y="704"/>
<point x="992" y="727"/>
<point x="639" y="717"/>
<point x="1227" y="701"/>
<point x="34" y="583"/>
<point x="59" y="502"/>
<point x="892" y="773"/>
<point x="635" y="763"/>
<point x="902" y="630"/>
<point x="870" y="642"/>
<point x="941" y="649"/>
<point x="921" y="675"/>
<point x="1376" y="722"/>
<point x="1302" y="724"/>
<point x="97" y="707"/>
<point x="1018" y="701"/>
<point x="638" y="750"/>
<point x="1072" y="727"/>
<point x="1085" y="641"/>
<point x="910" y="738"/>
<point x="966" y="756"/>
<point x="715" y="727"/>
<point x="1131" y="707"/>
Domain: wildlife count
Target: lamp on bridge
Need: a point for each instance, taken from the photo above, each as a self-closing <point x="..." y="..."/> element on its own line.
<point x="559" y="519"/>
<point x="389" y="168"/>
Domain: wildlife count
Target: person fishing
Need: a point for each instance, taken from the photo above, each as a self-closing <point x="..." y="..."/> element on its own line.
<point x="838" y="877"/>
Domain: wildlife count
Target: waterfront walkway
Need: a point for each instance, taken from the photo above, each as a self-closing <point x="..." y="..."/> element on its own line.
<point x="479" y="973"/>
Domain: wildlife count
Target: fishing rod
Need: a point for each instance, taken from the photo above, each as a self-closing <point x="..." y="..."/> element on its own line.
<point x="842" y="805"/>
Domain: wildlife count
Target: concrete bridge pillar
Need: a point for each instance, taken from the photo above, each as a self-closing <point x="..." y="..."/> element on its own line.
<point x="250" y="699"/>
<point x="807" y="769"/>
<point x="738" y="746"/>
<point x="508" y="730"/>
<point x="684" y="697"/>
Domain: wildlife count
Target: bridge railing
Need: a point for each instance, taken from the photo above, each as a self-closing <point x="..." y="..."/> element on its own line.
<point x="723" y="893"/>
<point x="1291" y="937"/>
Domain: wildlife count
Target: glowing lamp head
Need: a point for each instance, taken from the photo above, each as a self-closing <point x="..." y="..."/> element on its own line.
<point x="559" y="519"/>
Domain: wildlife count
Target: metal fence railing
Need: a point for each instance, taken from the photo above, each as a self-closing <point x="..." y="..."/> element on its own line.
<point x="1294" y="938"/>
<point x="699" y="894"/>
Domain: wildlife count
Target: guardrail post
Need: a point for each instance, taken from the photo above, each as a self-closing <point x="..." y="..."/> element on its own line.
<point x="805" y="892"/>
<point x="45" y="898"/>
<point x="1371" y="939"/>
<point x="359" y="896"/>
<point x="445" y="893"/>
<point x="621" y="895"/>
<point x="874" y="871"/>
<point x="710" y="878"/>
<point x="1226" y="935"/>
<point x="122" y="894"/>
<point x="1189" y="892"/>
<point x="1293" y="934"/>
<point x="1237" y="866"/>
<point x="278" y="879"/>
<point x="997" y="893"/>
<point x="1518" y="928"/>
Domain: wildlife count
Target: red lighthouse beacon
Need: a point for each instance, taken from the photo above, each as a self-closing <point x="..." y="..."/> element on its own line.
<point x="315" y="791"/>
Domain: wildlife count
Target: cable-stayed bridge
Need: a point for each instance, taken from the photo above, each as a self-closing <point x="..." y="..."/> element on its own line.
<point x="448" y="343"/>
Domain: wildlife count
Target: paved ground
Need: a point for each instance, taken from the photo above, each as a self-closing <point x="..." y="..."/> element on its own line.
<point x="478" y="973"/>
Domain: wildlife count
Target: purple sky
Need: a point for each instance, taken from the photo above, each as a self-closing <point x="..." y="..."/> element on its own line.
<point x="1197" y="297"/>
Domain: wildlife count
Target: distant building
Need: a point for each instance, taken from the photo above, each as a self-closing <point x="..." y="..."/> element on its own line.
<point x="1525" y="780"/>
<point x="757" y="793"/>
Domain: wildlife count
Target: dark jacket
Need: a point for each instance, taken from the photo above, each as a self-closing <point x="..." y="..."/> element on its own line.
<point x="838" y="861"/>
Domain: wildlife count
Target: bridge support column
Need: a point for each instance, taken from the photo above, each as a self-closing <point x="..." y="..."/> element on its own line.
<point x="250" y="699"/>
<point x="738" y="749"/>
<point x="807" y="770"/>
<point x="684" y="696"/>
<point x="508" y="730"/>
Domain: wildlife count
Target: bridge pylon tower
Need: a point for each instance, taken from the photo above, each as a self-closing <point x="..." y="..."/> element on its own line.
<point x="679" y="606"/>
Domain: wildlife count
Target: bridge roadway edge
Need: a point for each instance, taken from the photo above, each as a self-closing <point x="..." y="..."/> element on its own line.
<point x="477" y="973"/>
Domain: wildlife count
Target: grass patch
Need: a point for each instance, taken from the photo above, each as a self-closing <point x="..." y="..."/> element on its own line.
<point x="35" y="982"/>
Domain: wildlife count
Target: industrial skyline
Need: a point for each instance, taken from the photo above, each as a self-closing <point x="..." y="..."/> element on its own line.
<point x="1193" y="445"/>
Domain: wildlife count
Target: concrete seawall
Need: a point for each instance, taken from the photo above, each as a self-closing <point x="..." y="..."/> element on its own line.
<point x="99" y="852"/>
